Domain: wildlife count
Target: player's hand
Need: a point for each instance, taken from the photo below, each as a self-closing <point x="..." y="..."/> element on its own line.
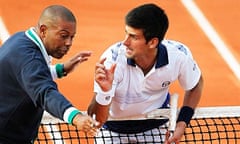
<point x="177" y="135"/>
<point x="75" y="60"/>
<point x="103" y="76"/>
<point x="86" y="123"/>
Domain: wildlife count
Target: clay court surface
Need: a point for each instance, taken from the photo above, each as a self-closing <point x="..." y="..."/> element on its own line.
<point x="101" y="23"/>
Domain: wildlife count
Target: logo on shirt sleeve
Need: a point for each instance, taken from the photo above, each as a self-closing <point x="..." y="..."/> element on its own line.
<point x="182" y="49"/>
<point x="194" y="67"/>
<point x="107" y="98"/>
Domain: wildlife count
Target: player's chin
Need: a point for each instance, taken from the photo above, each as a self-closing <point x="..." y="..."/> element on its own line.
<point x="129" y="55"/>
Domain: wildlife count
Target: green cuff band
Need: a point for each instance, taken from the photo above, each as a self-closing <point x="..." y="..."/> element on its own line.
<point x="72" y="115"/>
<point x="60" y="70"/>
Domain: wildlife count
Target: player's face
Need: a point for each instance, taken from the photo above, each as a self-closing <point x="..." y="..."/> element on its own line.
<point x="135" y="43"/>
<point x="58" y="38"/>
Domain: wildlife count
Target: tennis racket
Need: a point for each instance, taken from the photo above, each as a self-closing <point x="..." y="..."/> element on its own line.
<point x="164" y="113"/>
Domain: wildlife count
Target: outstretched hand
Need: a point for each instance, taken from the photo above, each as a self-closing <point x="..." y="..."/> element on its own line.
<point x="177" y="135"/>
<point x="75" y="60"/>
<point x="86" y="123"/>
<point x="103" y="76"/>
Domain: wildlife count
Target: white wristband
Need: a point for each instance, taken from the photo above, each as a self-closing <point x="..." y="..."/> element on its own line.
<point x="104" y="98"/>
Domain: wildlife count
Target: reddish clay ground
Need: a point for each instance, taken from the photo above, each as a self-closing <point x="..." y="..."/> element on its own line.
<point x="102" y="23"/>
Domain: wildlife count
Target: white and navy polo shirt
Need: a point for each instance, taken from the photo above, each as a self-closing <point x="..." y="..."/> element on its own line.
<point x="136" y="93"/>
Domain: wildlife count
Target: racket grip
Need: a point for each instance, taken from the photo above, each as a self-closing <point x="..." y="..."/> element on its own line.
<point x="173" y="112"/>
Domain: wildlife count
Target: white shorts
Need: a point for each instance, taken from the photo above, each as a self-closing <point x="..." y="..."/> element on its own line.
<point x="156" y="136"/>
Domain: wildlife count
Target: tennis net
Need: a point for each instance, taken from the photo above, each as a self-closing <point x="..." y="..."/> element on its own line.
<point x="209" y="125"/>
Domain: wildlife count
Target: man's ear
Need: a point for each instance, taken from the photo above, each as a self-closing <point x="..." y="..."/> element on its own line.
<point x="153" y="42"/>
<point x="42" y="30"/>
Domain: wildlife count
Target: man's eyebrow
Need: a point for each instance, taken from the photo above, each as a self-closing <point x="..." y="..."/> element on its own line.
<point x="134" y="35"/>
<point x="66" y="31"/>
<point x="63" y="30"/>
<point x="131" y="34"/>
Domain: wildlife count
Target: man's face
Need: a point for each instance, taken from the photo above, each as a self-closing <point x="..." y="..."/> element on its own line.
<point x="58" y="38"/>
<point x="135" y="42"/>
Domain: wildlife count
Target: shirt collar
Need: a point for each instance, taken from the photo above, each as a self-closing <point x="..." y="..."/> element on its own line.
<point x="32" y="35"/>
<point x="162" y="57"/>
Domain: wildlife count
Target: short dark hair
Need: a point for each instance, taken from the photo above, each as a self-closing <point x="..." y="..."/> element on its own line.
<point x="53" y="12"/>
<point x="150" y="18"/>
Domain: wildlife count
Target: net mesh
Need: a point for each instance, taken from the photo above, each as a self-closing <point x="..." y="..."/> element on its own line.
<point x="210" y="125"/>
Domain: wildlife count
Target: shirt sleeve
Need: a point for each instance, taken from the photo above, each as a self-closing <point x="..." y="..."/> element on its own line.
<point x="36" y="79"/>
<point x="53" y="71"/>
<point x="189" y="71"/>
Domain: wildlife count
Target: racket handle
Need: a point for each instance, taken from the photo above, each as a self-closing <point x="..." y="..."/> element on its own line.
<point x="173" y="112"/>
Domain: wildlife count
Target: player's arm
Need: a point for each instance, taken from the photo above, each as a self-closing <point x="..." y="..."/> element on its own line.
<point x="101" y="111"/>
<point x="102" y="99"/>
<point x="191" y="99"/>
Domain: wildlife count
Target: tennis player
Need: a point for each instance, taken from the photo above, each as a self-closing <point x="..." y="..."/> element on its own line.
<point x="26" y="77"/>
<point x="133" y="78"/>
